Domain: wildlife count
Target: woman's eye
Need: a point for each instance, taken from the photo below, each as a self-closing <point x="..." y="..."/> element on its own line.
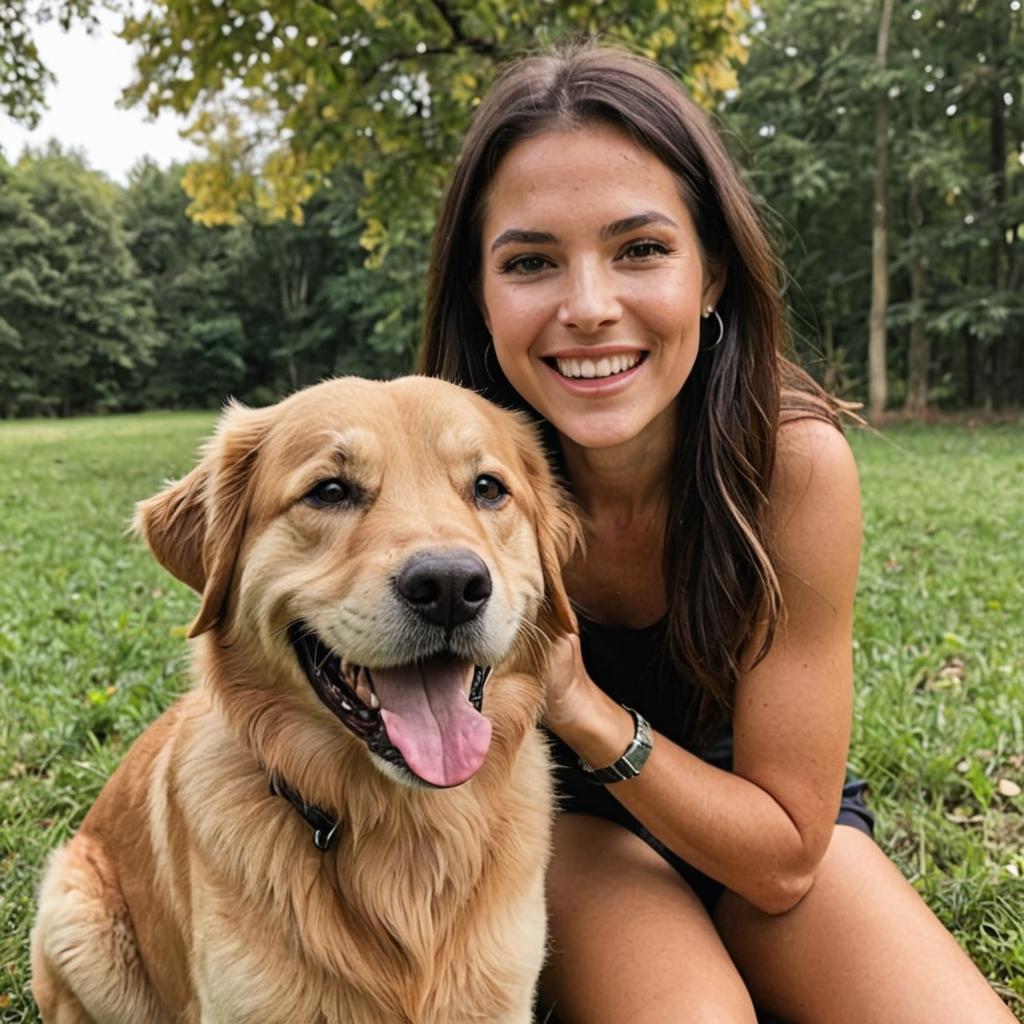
<point x="644" y="250"/>
<point x="525" y="265"/>
<point x="329" y="492"/>
<point x="489" y="490"/>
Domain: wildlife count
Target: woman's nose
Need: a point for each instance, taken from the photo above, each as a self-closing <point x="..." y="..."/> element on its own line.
<point x="590" y="301"/>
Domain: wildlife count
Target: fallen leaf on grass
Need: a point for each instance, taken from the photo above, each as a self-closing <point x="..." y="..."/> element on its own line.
<point x="959" y="818"/>
<point x="1007" y="787"/>
<point x="949" y="676"/>
<point x="952" y="668"/>
<point x="964" y="814"/>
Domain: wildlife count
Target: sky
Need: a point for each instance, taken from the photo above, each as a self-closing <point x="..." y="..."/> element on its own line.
<point x="91" y="72"/>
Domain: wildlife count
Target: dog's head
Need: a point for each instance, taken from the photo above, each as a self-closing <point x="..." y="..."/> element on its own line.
<point x="384" y="545"/>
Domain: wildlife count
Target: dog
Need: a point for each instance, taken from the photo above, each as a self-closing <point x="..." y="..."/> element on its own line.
<point x="348" y="818"/>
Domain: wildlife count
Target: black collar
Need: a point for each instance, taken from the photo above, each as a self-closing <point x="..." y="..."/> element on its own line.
<point x="324" y="826"/>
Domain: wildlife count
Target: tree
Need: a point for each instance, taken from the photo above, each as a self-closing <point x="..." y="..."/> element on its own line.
<point x="76" y="328"/>
<point x="256" y="309"/>
<point x="193" y="276"/>
<point x="806" y="138"/>
<point x="23" y="76"/>
<point x="805" y="108"/>
<point x="877" y="382"/>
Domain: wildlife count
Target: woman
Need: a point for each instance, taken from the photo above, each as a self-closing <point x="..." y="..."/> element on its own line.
<point x="598" y="262"/>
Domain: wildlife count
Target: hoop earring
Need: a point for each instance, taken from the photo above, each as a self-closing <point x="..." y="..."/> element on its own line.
<point x="721" y="330"/>
<point x="489" y="350"/>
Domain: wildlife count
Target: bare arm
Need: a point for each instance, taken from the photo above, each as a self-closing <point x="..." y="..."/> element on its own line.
<point x="761" y="829"/>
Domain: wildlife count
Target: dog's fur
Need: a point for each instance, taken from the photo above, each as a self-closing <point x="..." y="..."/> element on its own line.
<point x="191" y="893"/>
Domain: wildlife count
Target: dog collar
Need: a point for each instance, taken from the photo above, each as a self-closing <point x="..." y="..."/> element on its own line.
<point x="476" y="690"/>
<point x="325" y="828"/>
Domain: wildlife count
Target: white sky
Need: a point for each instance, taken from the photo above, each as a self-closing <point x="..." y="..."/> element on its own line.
<point x="91" y="72"/>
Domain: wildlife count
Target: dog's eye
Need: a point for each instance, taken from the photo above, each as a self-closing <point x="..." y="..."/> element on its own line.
<point x="489" y="490"/>
<point x="329" y="492"/>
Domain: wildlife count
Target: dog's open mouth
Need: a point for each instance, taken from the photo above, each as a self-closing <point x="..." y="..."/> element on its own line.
<point x="423" y="717"/>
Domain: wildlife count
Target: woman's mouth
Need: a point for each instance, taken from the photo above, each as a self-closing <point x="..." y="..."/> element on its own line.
<point x="597" y="368"/>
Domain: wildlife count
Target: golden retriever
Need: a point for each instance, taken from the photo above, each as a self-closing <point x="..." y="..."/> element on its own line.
<point x="328" y="828"/>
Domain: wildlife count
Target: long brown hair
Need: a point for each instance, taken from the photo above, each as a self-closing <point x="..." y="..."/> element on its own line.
<point x="723" y="593"/>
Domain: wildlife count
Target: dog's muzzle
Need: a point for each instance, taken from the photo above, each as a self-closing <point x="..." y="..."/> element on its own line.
<point x="423" y="717"/>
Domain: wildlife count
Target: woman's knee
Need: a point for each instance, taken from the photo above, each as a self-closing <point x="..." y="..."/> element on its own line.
<point x="629" y="936"/>
<point x="861" y="945"/>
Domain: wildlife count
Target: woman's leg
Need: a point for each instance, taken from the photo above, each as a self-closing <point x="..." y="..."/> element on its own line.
<point x="861" y="946"/>
<point x="630" y="940"/>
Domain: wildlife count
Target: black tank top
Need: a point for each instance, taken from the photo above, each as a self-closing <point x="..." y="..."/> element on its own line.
<point x="632" y="667"/>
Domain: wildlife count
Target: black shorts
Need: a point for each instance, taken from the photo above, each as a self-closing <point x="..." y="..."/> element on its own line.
<point x="578" y="796"/>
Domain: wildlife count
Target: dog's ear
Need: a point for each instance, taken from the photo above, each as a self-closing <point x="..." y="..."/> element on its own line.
<point x="559" y="533"/>
<point x="195" y="526"/>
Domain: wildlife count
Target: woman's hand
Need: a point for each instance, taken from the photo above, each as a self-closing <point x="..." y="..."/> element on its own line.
<point x="566" y="684"/>
<point x="579" y="712"/>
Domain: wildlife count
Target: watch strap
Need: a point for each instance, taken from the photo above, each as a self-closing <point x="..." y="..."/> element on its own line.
<point x="629" y="764"/>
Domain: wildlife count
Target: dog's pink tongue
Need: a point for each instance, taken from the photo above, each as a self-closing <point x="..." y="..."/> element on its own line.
<point x="428" y="716"/>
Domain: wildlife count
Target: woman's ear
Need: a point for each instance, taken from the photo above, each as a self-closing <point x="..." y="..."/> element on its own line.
<point x="195" y="526"/>
<point x="714" y="283"/>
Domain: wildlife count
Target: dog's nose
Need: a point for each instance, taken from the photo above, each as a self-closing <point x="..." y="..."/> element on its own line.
<point x="447" y="588"/>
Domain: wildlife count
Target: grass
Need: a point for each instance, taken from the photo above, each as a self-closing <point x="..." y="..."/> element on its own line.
<point x="92" y="648"/>
<point x="939" y="721"/>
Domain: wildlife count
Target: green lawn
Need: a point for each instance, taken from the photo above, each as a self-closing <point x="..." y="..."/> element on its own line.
<point x="92" y="647"/>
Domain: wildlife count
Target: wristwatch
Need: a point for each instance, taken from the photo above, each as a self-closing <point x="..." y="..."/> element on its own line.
<point x="628" y="766"/>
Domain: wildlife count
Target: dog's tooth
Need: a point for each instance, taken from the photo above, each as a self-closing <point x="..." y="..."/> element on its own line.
<point x="364" y="688"/>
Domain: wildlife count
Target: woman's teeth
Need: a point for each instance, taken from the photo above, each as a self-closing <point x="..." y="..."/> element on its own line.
<point x="607" y="366"/>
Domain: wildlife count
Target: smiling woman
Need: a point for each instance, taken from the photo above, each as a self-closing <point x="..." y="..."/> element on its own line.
<point x="599" y="263"/>
<point x="595" y="319"/>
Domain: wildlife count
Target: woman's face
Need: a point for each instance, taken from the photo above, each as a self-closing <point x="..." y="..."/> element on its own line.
<point x="593" y="283"/>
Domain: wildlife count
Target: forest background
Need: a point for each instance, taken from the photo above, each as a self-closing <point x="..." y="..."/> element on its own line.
<point x="884" y="138"/>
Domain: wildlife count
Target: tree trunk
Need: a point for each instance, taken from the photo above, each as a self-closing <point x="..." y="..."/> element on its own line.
<point x="877" y="384"/>
<point x="919" y="345"/>
<point x="994" y="355"/>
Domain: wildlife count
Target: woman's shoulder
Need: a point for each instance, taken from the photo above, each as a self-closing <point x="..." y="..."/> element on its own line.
<point x="811" y="454"/>
<point x="815" y="486"/>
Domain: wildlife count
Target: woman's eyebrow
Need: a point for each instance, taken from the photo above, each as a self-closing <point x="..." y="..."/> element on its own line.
<point x="520" y="236"/>
<point x="638" y="220"/>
